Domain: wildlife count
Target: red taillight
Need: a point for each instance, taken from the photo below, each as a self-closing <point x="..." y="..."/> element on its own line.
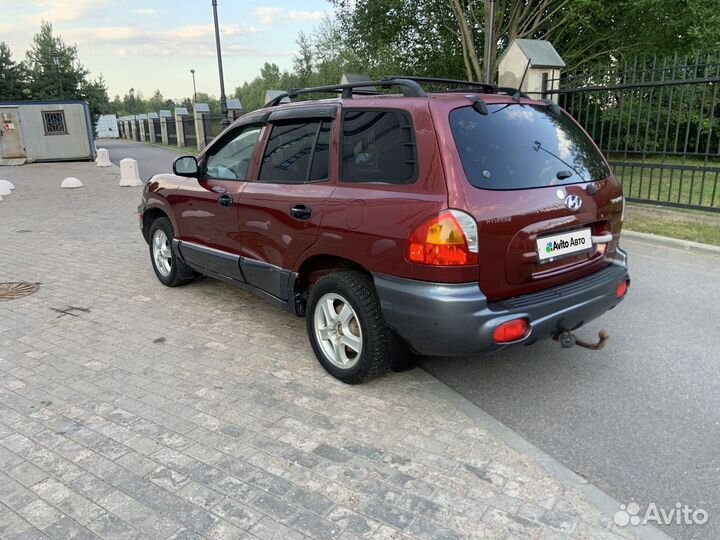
<point x="449" y="239"/>
<point x="622" y="288"/>
<point x="511" y="331"/>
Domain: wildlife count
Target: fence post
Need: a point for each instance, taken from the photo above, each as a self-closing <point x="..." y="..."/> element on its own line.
<point x="152" y="119"/>
<point x="141" y="124"/>
<point x="234" y="109"/>
<point x="199" y="112"/>
<point x="164" y="116"/>
<point x="180" y="128"/>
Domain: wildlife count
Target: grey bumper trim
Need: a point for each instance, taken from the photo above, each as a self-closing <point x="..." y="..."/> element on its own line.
<point x="448" y="319"/>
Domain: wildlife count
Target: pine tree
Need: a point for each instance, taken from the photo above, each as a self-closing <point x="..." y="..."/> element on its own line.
<point x="13" y="84"/>
<point x="45" y="78"/>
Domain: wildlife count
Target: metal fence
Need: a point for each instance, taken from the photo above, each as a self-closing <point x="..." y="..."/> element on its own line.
<point x="657" y="121"/>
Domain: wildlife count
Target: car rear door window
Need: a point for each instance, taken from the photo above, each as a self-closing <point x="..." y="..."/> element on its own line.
<point x="518" y="146"/>
<point x="378" y="146"/>
<point x="297" y="152"/>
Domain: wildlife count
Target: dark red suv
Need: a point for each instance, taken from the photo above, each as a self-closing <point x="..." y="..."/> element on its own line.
<point x="447" y="223"/>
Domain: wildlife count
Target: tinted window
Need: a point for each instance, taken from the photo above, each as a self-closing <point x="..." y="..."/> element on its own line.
<point x="230" y="161"/>
<point x="289" y="153"/>
<point x="378" y="146"/>
<point x="523" y="146"/>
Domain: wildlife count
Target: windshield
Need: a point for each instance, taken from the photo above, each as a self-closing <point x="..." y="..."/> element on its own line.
<point x="524" y="146"/>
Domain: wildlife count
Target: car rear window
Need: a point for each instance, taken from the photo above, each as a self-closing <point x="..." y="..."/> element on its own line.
<point x="517" y="146"/>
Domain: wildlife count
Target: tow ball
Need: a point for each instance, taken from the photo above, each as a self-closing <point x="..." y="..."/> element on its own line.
<point x="567" y="340"/>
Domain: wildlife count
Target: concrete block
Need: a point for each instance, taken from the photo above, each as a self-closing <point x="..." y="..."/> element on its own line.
<point x="4" y="190"/>
<point x="71" y="183"/>
<point x="103" y="158"/>
<point x="129" y="175"/>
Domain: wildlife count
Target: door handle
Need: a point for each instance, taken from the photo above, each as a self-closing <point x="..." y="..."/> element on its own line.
<point x="301" y="212"/>
<point x="225" y="200"/>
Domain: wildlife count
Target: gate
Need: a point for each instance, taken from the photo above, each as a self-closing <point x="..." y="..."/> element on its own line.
<point x="656" y="120"/>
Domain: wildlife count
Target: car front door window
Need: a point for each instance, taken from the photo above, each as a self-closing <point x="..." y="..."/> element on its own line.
<point x="232" y="159"/>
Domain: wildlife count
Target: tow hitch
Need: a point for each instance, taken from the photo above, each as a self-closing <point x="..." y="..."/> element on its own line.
<point x="567" y="340"/>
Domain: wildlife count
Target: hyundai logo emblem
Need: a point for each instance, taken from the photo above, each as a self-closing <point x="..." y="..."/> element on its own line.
<point x="573" y="202"/>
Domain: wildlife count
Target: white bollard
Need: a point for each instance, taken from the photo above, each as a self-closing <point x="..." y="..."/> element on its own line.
<point x="71" y="182"/>
<point x="129" y="176"/>
<point x="103" y="158"/>
<point x="4" y="190"/>
<point x="7" y="183"/>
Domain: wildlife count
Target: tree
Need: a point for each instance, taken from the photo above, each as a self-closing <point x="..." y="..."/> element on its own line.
<point x="303" y="60"/>
<point x="446" y="37"/>
<point x="43" y="74"/>
<point x="12" y="76"/>
<point x="95" y="93"/>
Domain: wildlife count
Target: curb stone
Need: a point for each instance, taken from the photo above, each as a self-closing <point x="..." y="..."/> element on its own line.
<point x="605" y="502"/>
<point x="687" y="245"/>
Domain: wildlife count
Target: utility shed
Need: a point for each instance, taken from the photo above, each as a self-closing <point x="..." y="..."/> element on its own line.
<point x="543" y="71"/>
<point x="46" y="131"/>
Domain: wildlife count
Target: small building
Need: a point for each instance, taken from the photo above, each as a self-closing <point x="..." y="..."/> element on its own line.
<point x="46" y="131"/>
<point x="106" y="127"/>
<point x="541" y="60"/>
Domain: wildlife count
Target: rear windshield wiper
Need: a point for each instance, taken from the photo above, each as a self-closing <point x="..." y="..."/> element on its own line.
<point x="561" y="175"/>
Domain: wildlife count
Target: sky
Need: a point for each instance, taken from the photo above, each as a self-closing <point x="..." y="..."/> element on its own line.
<point x="154" y="44"/>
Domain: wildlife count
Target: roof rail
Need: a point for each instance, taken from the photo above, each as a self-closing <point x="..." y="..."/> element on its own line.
<point x="408" y="87"/>
<point x="465" y="85"/>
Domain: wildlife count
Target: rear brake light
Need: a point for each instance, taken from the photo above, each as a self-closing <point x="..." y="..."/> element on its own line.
<point x="448" y="239"/>
<point x="511" y="331"/>
<point x="622" y="288"/>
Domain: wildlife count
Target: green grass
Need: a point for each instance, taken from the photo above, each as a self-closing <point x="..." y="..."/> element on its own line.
<point x="693" y="225"/>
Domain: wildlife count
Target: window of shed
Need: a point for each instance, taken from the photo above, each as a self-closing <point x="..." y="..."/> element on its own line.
<point x="54" y="122"/>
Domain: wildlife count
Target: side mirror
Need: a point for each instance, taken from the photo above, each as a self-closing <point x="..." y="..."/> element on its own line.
<point x="186" y="166"/>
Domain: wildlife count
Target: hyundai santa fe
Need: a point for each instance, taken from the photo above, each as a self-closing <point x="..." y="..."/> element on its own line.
<point x="450" y="223"/>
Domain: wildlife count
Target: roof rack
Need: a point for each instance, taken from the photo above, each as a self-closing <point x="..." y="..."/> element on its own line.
<point x="408" y="87"/>
<point x="465" y="85"/>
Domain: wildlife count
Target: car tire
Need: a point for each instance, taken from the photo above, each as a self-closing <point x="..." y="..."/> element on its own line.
<point x="346" y="327"/>
<point x="169" y="269"/>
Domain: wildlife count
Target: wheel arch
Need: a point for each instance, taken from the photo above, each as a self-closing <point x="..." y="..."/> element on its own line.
<point x="315" y="267"/>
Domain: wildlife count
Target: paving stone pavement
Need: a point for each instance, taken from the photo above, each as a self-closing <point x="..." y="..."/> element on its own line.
<point x="131" y="410"/>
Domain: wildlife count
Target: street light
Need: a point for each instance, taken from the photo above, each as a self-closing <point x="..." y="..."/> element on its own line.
<point x="194" y="88"/>
<point x="224" y="121"/>
<point x="55" y="55"/>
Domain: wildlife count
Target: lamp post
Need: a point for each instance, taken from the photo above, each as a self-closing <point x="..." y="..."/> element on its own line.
<point x="55" y="55"/>
<point x="224" y="121"/>
<point x="194" y="88"/>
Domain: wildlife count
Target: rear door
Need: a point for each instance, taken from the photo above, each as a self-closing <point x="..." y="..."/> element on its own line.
<point x="548" y="207"/>
<point x="280" y="212"/>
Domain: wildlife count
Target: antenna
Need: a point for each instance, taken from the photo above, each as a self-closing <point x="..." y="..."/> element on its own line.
<point x="517" y="95"/>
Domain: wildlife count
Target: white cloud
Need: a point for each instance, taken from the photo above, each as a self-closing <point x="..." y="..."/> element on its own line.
<point x="64" y="10"/>
<point x="194" y="40"/>
<point x="274" y="15"/>
<point x="144" y="11"/>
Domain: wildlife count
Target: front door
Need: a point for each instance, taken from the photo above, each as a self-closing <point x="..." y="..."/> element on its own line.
<point x="281" y="211"/>
<point x="207" y="207"/>
<point x="12" y="140"/>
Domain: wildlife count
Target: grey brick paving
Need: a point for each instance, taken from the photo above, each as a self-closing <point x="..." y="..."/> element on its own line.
<point x="138" y="411"/>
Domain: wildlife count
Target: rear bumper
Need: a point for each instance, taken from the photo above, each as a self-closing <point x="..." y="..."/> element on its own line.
<point x="443" y="319"/>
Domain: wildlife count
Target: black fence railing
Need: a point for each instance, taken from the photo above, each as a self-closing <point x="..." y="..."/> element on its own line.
<point x="658" y="122"/>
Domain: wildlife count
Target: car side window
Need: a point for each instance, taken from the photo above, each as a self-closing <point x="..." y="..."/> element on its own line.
<point x="232" y="159"/>
<point x="378" y="146"/>
<point x="297" y="152"/>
